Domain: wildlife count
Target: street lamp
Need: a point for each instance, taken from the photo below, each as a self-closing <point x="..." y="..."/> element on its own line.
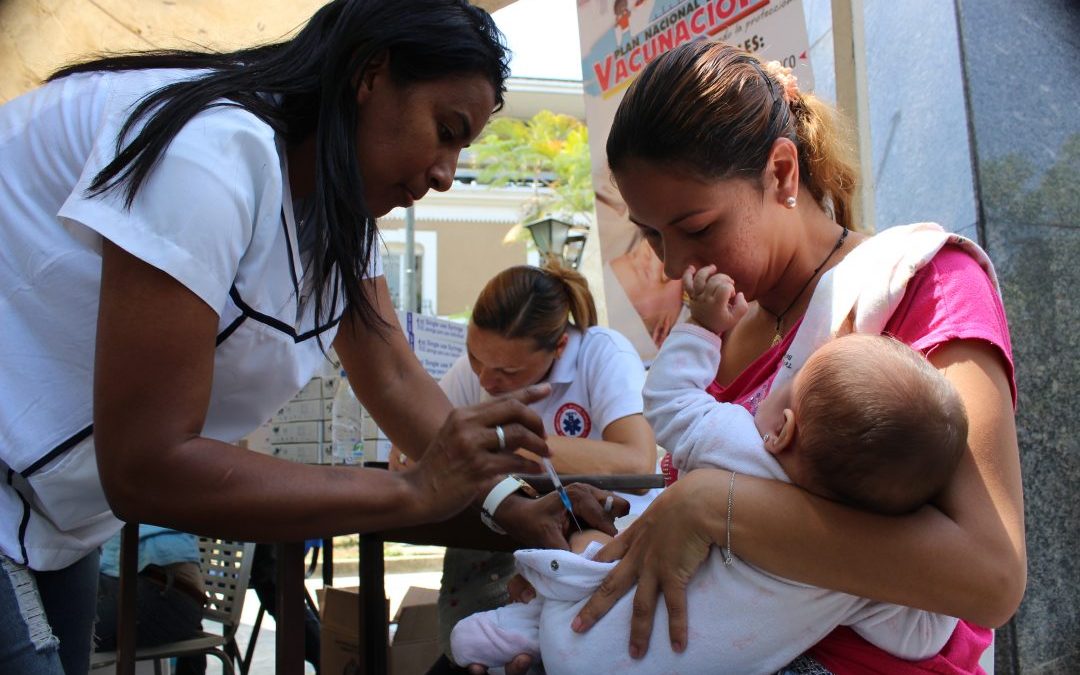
<point x="559" y="240"/>
<point x="572" y="249"/>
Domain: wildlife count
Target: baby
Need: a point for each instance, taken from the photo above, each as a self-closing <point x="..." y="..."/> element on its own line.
<point x="866" y="421"/>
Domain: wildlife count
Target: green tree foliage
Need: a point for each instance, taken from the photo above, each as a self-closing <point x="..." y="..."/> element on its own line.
<point x="549" y="153"/>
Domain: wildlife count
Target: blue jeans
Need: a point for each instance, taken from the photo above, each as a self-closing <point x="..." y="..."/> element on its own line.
<point x="47" y="618"/>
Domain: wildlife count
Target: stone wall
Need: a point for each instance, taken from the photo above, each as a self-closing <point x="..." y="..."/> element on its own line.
<point x="1022" y="74"/>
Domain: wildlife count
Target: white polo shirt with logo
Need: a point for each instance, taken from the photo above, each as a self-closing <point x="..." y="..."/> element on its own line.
<point x="215" y="214"/>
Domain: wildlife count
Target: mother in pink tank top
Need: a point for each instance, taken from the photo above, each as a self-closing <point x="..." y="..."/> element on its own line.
<point x="722" y="160"/>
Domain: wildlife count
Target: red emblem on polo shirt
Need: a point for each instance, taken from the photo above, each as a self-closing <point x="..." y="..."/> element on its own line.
<point x="572" y="420"/>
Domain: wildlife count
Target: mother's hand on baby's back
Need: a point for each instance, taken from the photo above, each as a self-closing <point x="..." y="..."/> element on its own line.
<point x="659" y="552"/>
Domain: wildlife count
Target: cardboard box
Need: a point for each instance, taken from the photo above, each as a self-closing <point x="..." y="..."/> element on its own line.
<point x="340" y="632"/>
<point x="315" y="431"/>
<point x="416" y="643"/>
<point x="436" y="343"/>
<point x="304" y="411"/>
<point x="369" y="430"/>
<point x="329" y="386"/>
<point x="306" y="421"/>
<point x="258" y="440"/>
<point x="303" y="453"/>
<point x="377" y="449"/>
<point x="313" y="389"/>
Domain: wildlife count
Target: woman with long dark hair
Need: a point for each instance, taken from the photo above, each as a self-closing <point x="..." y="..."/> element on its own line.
<point x="182" y="235"/>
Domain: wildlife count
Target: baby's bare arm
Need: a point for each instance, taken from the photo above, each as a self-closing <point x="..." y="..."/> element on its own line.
<point x="579" y="541"/>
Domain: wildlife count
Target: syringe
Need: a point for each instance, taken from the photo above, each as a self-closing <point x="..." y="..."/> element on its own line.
<point x="561" y="490"/>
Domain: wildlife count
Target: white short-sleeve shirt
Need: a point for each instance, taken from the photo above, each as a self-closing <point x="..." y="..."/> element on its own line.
<point x="215" y="214"/>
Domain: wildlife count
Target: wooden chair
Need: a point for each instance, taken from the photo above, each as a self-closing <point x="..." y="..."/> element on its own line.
<point x="226" y="567"/>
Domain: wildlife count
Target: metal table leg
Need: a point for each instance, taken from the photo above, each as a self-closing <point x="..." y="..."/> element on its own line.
<point x="290" y="608"/>
<point x="129" y="573"/>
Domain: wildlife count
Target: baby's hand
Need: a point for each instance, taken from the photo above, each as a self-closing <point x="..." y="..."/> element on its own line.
<point x="714" y="304"/>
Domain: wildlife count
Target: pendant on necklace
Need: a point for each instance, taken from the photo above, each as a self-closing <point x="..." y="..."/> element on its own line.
<point x="778" y="336"/>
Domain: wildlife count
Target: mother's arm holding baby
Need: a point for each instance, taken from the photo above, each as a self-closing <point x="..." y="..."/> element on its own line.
<point x="904" y="560"/>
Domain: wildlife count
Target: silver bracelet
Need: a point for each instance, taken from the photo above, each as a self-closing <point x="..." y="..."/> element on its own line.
<point x="726" y="551"/>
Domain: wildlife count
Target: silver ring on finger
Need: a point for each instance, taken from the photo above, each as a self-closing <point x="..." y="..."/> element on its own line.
<point x="501" y="435"/>
<point x="608" y="503"/>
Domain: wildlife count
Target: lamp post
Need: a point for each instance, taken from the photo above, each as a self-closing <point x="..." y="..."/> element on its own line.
<point x="558" y="239"/>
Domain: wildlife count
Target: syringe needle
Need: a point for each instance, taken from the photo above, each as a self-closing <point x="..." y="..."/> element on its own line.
<point x="561" y="490"/>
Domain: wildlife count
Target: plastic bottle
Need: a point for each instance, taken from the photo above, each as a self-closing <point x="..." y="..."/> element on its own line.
<point x="346" y="441"/>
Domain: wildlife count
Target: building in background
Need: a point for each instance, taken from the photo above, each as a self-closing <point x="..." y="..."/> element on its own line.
<point x="459" y="233"/>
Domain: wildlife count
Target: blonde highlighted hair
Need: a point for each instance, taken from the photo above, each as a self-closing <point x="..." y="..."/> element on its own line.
<point x="538" y="303"/>
<point x="716" y="110"/>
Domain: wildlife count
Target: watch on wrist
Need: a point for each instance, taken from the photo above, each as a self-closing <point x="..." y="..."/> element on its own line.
<point x="498" y="495"/>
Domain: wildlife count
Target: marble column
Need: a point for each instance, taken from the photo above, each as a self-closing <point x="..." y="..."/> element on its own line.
<point x="1021" y="71"/>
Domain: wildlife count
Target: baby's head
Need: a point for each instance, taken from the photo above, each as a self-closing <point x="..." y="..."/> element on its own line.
<point x="869" y="422"/>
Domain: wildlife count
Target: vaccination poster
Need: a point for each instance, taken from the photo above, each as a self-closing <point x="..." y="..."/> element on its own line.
<point x="618" y="37"/>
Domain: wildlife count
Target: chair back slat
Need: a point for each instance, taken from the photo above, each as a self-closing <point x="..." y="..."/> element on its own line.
<point x="226" y="569"/>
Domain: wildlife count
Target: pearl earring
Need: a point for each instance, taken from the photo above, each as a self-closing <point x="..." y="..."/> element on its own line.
<point x="790" y="202"/>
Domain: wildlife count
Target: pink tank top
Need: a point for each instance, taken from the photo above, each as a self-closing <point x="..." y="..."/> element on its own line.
<point x="949" y="299"/>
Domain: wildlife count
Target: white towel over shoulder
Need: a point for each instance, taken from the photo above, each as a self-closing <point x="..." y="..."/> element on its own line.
<point x="868" y="285"/>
